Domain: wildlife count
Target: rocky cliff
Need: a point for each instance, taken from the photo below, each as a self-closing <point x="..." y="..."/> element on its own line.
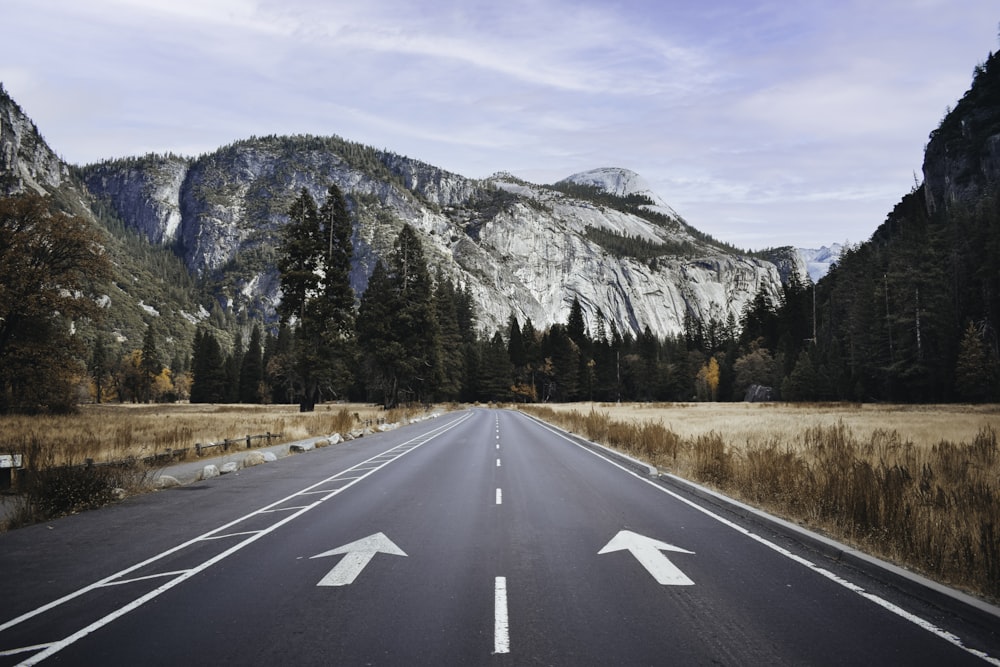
<point x="517" y="247"/>
<point x="962" y="159"/>
<point x="149" y="285"/>
<point x="27" y="164"/>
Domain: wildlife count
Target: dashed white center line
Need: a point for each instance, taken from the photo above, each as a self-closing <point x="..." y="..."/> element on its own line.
<point x="498" y="463"/>
<point x="499" y="497"/>
<point x="501" y="630"/>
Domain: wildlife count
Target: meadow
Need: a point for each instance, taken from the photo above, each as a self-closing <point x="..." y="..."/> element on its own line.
<point x="111" y="432"/>
<point x="104" y="452"/>
<point x="915" y="485"/>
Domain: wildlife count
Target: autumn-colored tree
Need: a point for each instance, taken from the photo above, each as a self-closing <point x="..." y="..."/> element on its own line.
<point x="50" y="264"/>
<point x="707" y="382"/>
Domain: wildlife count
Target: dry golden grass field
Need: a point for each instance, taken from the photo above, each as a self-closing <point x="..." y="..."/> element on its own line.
<point x="117" y="431"/>
<point x="917" y="485"/>
<point x="82" y="461"/>
<point x="742" y="423"/>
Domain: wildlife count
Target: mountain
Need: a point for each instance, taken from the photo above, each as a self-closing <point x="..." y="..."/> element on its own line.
<point x="913" y="314"/>
<point x="151" y="284"/>
<point x="623" y="183"/>
<point x="518" y="247"/>
<point x="818" y="261"/>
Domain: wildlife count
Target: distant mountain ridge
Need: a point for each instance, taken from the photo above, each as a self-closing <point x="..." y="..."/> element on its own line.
<point x="519" y="248"/>
<point x="819" y="260"/>
<point x="150" y="282"/>
<point x="622" y="183"/>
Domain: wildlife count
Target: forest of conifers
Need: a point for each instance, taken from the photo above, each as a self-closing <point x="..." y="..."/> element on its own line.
<point x="908" y="316"/>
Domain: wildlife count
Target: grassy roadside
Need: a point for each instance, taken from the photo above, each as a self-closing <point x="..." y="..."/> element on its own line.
<point x="931" y="504"/>
<point x="117" y="438"/>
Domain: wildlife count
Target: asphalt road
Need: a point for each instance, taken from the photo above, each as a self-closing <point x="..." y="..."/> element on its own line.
<point x="482" y="537"/>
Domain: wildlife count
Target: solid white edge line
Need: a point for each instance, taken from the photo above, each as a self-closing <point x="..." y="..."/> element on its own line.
<point x="871" y="597"/>
<point x="501" y="626"/>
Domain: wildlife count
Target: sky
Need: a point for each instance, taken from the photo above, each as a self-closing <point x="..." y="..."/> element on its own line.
<point x="762" y="122"/>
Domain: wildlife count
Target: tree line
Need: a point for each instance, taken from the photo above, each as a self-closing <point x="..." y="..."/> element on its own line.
<point x="909" y="316"/>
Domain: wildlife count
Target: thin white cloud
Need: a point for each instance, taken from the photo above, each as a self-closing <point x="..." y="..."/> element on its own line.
<point x="753" y="119"/>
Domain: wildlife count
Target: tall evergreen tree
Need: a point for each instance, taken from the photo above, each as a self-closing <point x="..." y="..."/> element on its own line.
<point x="976" y="369"/>
<point x="452" y="346"/>
<point x="496" y="371"/>
<point x="279" y="362"/>
<point x="252" y="370"/>
<point x="150" y="365"/>
<point x="99" y="367"/>
<point x="208" y="368"/>
<point x="515" y="345"/>
<point x="397" y="329"/>
<point x="576" y="328"/>
<point x="563" y="356"/>
<point x="234" y="361"/>
<point x="381" y="352"/>
<point x="315" y="263"/>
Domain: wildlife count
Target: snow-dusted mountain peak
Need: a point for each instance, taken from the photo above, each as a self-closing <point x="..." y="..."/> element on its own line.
<point x="622" y="183"/>
<point x="818" y="261"/>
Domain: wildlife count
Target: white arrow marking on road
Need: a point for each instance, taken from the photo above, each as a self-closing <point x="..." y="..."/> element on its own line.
<point x="358" y="555"/>
<point x="649" y="554"/>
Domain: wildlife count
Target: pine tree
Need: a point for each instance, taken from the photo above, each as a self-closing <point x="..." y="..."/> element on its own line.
<point x="252" y="370"/>
<point x="452" y="345"/>
<point x="975" y="371"/>
<point x="279" y="363"/>
<point x="208" y="368"/>
<point x="315" y="263"/>
<point x="801" y="383"/>
<point x="381" y="352"/>
<point x="465" y="312"/>
<point x="99" y="367"/>
<point x="576" y="328"/>
<point x="495" y="372"/>
<point x="397" y="329"/>
<point x="298" y="262"/>
<point x="149" y="365"/>
<point x="562" y="358"/>
<point x="515" y="345"/>
<point x="234" y="361"/>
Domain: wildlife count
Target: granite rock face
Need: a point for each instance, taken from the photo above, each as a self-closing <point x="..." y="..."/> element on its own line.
<point x="27" y="164"/>
<point x="517" y="247"/>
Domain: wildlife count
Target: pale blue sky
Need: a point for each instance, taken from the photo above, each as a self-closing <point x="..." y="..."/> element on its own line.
<point x="763" y="123"/>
